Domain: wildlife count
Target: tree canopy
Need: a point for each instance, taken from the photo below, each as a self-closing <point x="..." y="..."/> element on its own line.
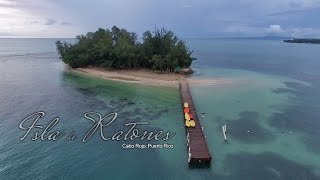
<point x="118" y="49"/>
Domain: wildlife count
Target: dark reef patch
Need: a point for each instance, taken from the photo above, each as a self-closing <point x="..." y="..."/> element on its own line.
<point x="86" y="91"/>
<point x="247" y="121"/>
<point x="303" y="116"/>
<point x="98" y="104"/>
<point x="265" y="166"/>
<point x="284" y="90"/>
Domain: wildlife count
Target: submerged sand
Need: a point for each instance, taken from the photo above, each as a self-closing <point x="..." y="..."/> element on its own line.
<point x="146" y="77"/>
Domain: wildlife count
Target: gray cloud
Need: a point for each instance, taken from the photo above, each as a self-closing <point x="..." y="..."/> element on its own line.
<point x="187" y="6"/>
<point x="197" y="18"/>
<point x="19" y="4"/>
<point x="50" y="22"/>
<point x="6" y="5"/>
<point x="291" y="12"/>
<point x="64" y="23"/>
<point x="5" y="34"/>
<point x="34" y="22"/>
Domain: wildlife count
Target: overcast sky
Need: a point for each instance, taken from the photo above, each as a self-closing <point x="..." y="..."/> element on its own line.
<point x="188" y="18"/>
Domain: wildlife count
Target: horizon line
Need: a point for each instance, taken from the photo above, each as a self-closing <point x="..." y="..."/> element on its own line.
<point x="191" y="37"/>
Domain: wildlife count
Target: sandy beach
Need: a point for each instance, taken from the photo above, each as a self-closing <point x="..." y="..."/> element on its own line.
<point x="146" y="77"/>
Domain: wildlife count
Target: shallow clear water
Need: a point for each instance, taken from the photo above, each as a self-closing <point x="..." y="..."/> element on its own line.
<point x="274" y="91"/>
<point x="274" y="96"/>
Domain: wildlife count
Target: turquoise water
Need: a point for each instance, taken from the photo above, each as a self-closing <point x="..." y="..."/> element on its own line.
<point x="273" y="95"/>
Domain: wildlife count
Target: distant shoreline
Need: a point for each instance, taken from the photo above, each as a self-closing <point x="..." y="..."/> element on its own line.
<point x="304" y="41"/>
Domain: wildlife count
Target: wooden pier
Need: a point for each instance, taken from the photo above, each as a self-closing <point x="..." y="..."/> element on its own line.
<point x="198" y="151"/>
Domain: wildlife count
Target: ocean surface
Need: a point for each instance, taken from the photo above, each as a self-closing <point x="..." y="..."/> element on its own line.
<point x="271" y="110"/>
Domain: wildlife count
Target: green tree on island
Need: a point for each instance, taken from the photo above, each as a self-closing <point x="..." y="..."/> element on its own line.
<point x="120" y="49"/>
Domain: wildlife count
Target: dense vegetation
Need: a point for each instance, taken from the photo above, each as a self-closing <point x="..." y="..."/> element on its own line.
<point x="118" y="49"/>
<point x="312" y="41"/>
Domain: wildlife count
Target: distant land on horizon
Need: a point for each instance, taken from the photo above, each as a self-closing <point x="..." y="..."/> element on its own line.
<point x="195" y="37"/>
<point x="187" y="37"/>
<point x="306" y="41"/>
<point x="241" y="37"/>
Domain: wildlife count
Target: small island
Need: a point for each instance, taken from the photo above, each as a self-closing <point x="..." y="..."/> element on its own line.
<point x="307" y="41"/>
<point x="117" y="54"/>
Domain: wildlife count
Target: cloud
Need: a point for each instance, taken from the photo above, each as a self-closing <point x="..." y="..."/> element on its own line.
<point x="187" y="6"/>
<point x="50" y="22"/>
<point x="5" y="34"/>
<point x="296" y="11"/>
<point x="64" y="23"/>
<point x="36" y="18"/>
<point x="274" y="28"/>
<point x="304" y="32"/>
<point x="34" y="22"/>
<point x="188" y="18"/>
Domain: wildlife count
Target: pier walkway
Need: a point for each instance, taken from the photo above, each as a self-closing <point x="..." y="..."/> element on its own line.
<point x="198" y="151"/>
